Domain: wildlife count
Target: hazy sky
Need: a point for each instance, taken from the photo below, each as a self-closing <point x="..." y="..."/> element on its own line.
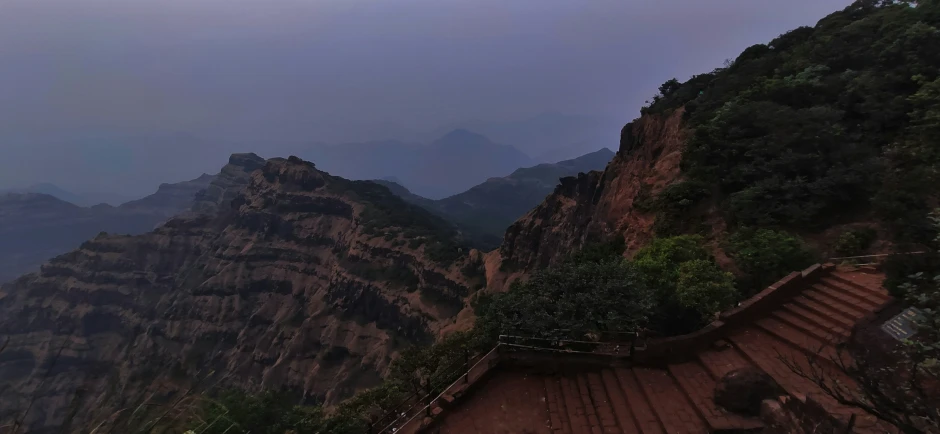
<point x="124" y="94"/>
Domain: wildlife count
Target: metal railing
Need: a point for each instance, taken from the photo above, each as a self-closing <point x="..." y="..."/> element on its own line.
<point x="569" y="346"/>
<point x="424" y="405"/>
<point x="419" y="404"/>
<point x="873" y="259"/>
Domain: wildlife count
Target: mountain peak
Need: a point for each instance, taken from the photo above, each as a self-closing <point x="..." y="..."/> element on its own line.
<point x="246" y="159"/>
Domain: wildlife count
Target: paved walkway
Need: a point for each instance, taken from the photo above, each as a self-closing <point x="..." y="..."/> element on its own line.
<point x="678" y="398"/>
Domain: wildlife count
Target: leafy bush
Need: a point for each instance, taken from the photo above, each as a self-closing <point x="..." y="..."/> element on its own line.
<point x="238" y="412"/>
<point x="658" y="262"/>
<point x="689" y="287"/>
<point x="705" y="288"/>
<point x="581" y="297"/>
<point x="766" y="255"/>
<point x="855" y="241"/>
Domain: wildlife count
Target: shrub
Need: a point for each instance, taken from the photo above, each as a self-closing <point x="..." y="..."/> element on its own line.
<point x="855" y="241"/>
<point x="658" y="262"/>
<point x="236" y="411"/>
<point x="661" y="265"/>
<point x="580" y="297"/>
<point x="705" y="288"/>
<point x="766" y="255"/>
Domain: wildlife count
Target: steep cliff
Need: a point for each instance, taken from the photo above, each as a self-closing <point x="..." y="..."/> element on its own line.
<point x="595" y="205"/>
<point x="305" y="281"/>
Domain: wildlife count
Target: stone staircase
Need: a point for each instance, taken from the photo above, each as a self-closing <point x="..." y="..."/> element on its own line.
<point x="677" y="397"/>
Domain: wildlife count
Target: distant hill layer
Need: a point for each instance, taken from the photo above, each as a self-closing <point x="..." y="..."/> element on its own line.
<point x="485" y="211"/>
<point x="449" y="165"/>
<point x="35" y="227"/>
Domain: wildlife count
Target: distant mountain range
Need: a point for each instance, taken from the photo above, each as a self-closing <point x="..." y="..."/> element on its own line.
<point x="449" y="165"/>
<point x="35" y="227"/>
<point x="85" y="199"/>
<point x="484" y="211"/>
<point x="550" y="136"/>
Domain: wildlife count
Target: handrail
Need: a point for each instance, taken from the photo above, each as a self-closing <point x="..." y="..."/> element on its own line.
<point x="428" y="406"/>
<point x="407" y="407"/>
<point x="878" y="255"/>
<point x="412" y="401"/>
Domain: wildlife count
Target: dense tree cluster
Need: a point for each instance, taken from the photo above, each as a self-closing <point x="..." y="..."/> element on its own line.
<point x="822" y="122"/>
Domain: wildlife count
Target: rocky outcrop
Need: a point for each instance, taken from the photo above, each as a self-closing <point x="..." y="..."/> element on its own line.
<point x="230" y="181"/>
<point x="304" y="281"/>
<point x="595" y="205"/>
<point x="744" y="390"/>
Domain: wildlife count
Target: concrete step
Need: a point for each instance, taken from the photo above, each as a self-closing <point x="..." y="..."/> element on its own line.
<point x="557" y="411"/>
<point x="823" y="310"/>
<point x="575" y="406"/>
<point x="848" y="302"/>
<point x="602" y="404"/>
<point x="645" y="417"/>
<point x="669" y="402"/>
<point x="589" y="407"/>
<point x="866" y="295"/>
<point x="851" y="315"/>
<point x="865" y="282"/>
<point x="809" y="345"/>
<point x="834" y="327"/>
<point x="810" y="328"/>
<point x="618" y="401"/>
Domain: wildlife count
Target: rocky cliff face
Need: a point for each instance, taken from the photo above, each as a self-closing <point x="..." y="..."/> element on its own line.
<point x="305" y="281"/>
<point x="595" y="205"/>
<point x="230" y="181"/>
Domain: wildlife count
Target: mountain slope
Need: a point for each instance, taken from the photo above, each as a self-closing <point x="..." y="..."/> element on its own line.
<point x="36" y="227"/>
<point x="486" y="210"/>
<point x="819" y="130"/>
<point x="305" y="281"/>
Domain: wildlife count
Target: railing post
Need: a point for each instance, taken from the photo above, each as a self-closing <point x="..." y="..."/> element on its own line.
<point x="636" y="335"/>
<point x="430" y="397"/>
<point x="466" y="366"/>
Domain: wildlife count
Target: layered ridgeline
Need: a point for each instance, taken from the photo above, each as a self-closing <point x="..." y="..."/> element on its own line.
<point x="485" y="211"/>
<point x="304" y="282"/>
<point x="35" y="227"/>
<point x="828" y="132"/>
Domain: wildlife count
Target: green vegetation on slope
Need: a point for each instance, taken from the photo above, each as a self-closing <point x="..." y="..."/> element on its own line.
<point x="593" y="292"/>
<point x="822" y="123"/>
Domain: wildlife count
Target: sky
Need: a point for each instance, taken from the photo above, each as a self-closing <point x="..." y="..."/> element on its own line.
<point x="121" y="95"/>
